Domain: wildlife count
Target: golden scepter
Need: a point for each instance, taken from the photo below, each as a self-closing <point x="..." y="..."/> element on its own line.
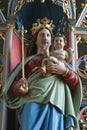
<point x="23" y="71"/>
<point x="22" y="85"/>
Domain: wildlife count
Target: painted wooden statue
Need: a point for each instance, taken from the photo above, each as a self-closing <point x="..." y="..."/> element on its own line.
<point x="51" y="102"/>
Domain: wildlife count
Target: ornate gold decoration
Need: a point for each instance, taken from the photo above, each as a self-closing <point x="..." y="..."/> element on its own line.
<point x="2" y="36"/>
<point x="42" y="23"/>
<point x="65" y="7"/>
<point x="85" y="93"/>
<point x="18" y="6"/>
<point x="42" y="1"/>
<point x="71" y="29"/>
<point x="84" y="123"/>
<point x="84" y="22"/>
<point x="10" y="26"/>
<point x="82" y="72"/>
<point x="63" y="3"/>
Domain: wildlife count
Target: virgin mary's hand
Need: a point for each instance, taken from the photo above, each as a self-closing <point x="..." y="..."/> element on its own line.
<point x="21" y="88"/>
<point x="56" y="67"/>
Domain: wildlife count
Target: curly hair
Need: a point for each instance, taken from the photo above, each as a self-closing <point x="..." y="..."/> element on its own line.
<point x="60" y="35"/>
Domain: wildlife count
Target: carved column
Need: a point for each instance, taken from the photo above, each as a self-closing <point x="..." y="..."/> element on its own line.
<point x="73" y="45"/>
<point x="8" y="43"/>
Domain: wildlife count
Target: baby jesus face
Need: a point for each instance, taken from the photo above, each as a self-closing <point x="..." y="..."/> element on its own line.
<point x="58" y="43"/>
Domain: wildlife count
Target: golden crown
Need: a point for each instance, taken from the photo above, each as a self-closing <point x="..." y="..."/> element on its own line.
<point x="42" y="23"/>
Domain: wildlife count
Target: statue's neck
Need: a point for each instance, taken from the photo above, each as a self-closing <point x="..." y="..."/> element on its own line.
<point x="44" y="52"/>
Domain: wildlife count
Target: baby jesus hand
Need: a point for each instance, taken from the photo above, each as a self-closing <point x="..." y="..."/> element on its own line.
<point x="70" y="50"/>
<point x="46" y="62"/>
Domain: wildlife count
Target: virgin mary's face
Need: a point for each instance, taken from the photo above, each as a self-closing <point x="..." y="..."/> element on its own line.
<point x="43" y="39"/>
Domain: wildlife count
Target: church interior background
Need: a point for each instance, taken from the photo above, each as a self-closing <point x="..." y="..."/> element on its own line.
<point x="13" y="13"/>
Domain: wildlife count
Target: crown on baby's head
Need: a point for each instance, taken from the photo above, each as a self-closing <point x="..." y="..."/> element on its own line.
<point x="42" y="23"/>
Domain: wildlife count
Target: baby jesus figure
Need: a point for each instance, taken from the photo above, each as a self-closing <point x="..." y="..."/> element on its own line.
<point x="57" y="54"/>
